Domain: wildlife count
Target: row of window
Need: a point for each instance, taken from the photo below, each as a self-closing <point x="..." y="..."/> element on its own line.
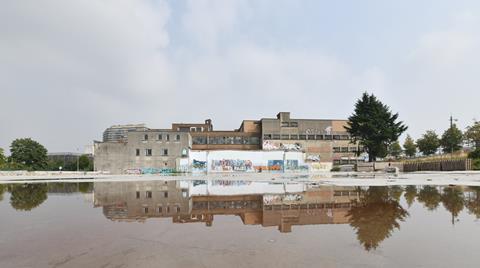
<point x="160" y="209"/>
<point x="344" y="161"/>
<point x="226" y="140"/>
<point x="345" y="149"/>
<point x="307" y="206"/>
<point x="149" y="194"/>
<point x="289" y="124"/>
<point x="149" y="152"/>
<point x="304" y="137"/>
<point x="160" y="137"/>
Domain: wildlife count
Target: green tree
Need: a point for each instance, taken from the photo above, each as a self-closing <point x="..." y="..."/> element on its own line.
<point x="410" y="147"/>
<point x="453" y="201"/>
<point x="374" y="126"/>
<point x="429" y="143"/>
<point x="84" y="163"/>
<point x="395" y="149"/>
<point x="430" y="197"/>
<point x="3" y="159"/>
<point x="28" y="196"/>
<point x="472" y="134"/>
<point x="375" y="217"/>
<point x="29" y="153"/>
<point x="452" y="140"/>
<point x="410" y="194"/>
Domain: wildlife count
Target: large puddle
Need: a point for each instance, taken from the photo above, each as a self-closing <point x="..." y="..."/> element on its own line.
<point x="237" y="223"/>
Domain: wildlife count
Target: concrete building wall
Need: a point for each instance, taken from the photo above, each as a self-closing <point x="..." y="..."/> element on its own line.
<point x="150" y="151"/>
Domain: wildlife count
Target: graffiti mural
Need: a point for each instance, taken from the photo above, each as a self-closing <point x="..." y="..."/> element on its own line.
<point x="295" y="166"/>
<point x="271" y="145"/>
<point x="199" y="166"/>
<point x="230" y="183"/>
<point x="313" y="158"/>
<point x="231" y="165"/>
<point x="281" y="199"/>
<point x="275" y="165"/>
<point x="152" y="170"/>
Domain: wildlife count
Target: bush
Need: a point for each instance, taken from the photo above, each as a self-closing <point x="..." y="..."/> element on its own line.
<point x="335" y="169"/>
<point x="475" y="154"/>
<point x="476" y="164"/>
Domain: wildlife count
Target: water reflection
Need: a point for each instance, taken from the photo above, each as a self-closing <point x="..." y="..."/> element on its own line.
<point x="374" y="213"/>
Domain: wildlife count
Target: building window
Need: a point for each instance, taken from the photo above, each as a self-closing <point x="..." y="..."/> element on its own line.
<point x="145" y="137"/>
<point x="285" y="124"/>
<point x="319" y="137"/>
<point x="167" y="137"/>
<point x="159" y="137"/>
<point x="276" y="136"/>
<point x="165" y="194"/>
<point x="199" y="140"/>
<point x="238" y="140"/>
<point x="303" y="137"/>
<point x="336" y="137"/>
<point x="137" y="152"/>
<point x="267" y="136"/>
<point x="344" y="149"/>
<point x="336" y="149"/>
<point x="148" y="194"/>
<point x="311" y="137"/>
<point x="294" y="137"/>
<point x="165" y="151"/>
<point x="184" y="152"/>
<point x="328" y="137"/>
<point x="353" y="149"/>
<point x="168" y="209"/>
<point x="199" y="129"/>
<point x="184" y="193"/>
<point x="178" y="209"/>
<point x="285" y="136"/>
<point x="254" y="140"/>
<point x="145" y="210"/>
<point x="294" y="124"/>
<point x="148" y="152"/>
<point x="159" y="209"/>
<point x="138" y="194"/>
<point x="177" y="138"/>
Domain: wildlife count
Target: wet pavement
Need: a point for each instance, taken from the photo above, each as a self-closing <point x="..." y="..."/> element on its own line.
<point x="237" y="223"/>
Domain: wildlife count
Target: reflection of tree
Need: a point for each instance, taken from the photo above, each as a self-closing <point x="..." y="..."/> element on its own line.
<point x="396" y="192"/>
<point x="2" y="190"/>
<point x="452" y="199"/>
<point x="28" y="196"/>
<point x="375" y="216"/>
<point x="472" y="202"/>
<point x="430" y="197"/>
<point x="410" y="193"/>
<point x="85" y="187"/>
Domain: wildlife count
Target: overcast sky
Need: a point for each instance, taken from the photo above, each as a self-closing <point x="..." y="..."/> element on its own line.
<point x="71" y="68"/>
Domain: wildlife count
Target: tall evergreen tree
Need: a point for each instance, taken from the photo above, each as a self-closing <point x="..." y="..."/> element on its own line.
<point x="410" y="147"/>
<point x="374" y="126"/>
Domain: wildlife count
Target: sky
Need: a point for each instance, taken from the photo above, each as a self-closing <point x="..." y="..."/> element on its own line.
<point x="70" y="69"/>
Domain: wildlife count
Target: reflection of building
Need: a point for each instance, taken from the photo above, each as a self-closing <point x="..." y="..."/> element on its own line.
<point x="137" y="201"/>
<point x="141" y="200"/>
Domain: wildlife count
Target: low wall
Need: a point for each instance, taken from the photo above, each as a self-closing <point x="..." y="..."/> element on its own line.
<point x="438" y="165"/>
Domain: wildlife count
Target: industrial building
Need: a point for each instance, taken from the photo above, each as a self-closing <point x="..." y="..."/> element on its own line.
<point x="138" y="149"/>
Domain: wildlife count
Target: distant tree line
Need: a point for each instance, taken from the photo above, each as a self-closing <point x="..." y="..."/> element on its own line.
<point x="28" y="154"/>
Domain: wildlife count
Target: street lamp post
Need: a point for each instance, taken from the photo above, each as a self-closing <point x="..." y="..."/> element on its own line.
<point x="451" y="127"/>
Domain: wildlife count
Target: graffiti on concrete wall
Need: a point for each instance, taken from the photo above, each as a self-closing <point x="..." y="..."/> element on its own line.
<point x="313" y="158"/>
<point x="230" y="183"/>
<point x="275" y="165"/>
<point x="271" y="145"/>
<point x="281" y="199"/>
<point x="199" y="166"/>
<point x="293" y="165"/>
<point x="231" y="165"/>
<point x="321" y="166"/>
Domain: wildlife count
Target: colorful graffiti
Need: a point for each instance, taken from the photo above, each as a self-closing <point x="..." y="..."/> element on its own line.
<point x="231" y="165"/>
<point x="199" y="166"/>
<point x="149" y="170"/>
<point x="230" y="183"/>
<point x="275" y="165"/>
<point x="293" y="165"/>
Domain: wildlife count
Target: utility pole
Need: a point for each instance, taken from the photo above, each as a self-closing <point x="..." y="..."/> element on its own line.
<point x="451" y="127"/>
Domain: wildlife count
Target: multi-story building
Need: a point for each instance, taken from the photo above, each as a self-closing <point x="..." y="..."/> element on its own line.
<point x="136" y="147"/>
<point x="143" y="151"/>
